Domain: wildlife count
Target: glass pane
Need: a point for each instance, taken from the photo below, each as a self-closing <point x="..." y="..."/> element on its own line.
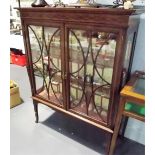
<point x="46" y="58"/>
<point x="129" y="44"/>
<point x="91" y="59"/>
<point x="128" y="50"/>
<point x="139" y="86"/>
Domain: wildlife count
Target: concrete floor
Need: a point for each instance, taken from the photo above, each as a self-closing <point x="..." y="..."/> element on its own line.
<point x="55" y="134"/>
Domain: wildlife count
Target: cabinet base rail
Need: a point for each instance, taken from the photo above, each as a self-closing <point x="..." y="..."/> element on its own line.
<point x="37" y="100"/>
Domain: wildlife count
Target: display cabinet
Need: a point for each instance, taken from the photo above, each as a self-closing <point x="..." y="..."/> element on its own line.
<point x="79" y="59"/>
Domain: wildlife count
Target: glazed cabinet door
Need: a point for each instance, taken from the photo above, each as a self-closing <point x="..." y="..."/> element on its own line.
<point x="45" y="50"/>
<point x="91" y="53"/>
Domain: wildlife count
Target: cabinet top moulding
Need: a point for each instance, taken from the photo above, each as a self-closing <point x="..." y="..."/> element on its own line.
<point x="116" y="17"/>
<point x="114" y="11"/>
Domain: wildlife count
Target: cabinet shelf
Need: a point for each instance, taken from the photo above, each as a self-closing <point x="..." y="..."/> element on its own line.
<point x="56" y="98"/>
<point x="100" y="87"/>
<point x="102" y="90"/>
<point x="103" y="61"/>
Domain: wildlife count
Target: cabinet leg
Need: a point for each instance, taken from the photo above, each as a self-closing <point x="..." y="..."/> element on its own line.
<point x="35" y="104"/>
<point x="108" y="143"/>
<point x="117" y="127"/>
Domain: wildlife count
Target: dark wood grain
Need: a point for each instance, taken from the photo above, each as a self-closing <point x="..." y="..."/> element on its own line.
<point x="119" y="21"/>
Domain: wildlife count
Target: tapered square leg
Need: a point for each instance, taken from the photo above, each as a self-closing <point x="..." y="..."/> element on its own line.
<point x="35" y="104"/>
<point x="108" y="143"/>
<point x="117" y="126"/>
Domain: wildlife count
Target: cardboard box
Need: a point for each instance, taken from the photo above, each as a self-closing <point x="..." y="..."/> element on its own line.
<point x="15" y="96"/>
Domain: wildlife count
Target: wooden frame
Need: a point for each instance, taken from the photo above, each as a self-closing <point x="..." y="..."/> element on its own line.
<point x="128" y="95"/>
<point x="123" y="22"/>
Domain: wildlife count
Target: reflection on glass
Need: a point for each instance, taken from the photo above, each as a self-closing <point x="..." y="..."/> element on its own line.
<point x="129" y="43"/>
<point x="139" y="86"/>
<point x="91" y="62"/>
<point x="46" y="59"/>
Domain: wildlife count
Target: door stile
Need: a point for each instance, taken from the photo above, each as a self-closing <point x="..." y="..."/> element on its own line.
<point x="63" y="65"/>
<point x="29" y="54"/>
<point x="66" y="42"/>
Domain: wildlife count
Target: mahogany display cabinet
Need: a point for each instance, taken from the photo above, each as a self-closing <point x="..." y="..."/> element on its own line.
<point x="79" y="59"/>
